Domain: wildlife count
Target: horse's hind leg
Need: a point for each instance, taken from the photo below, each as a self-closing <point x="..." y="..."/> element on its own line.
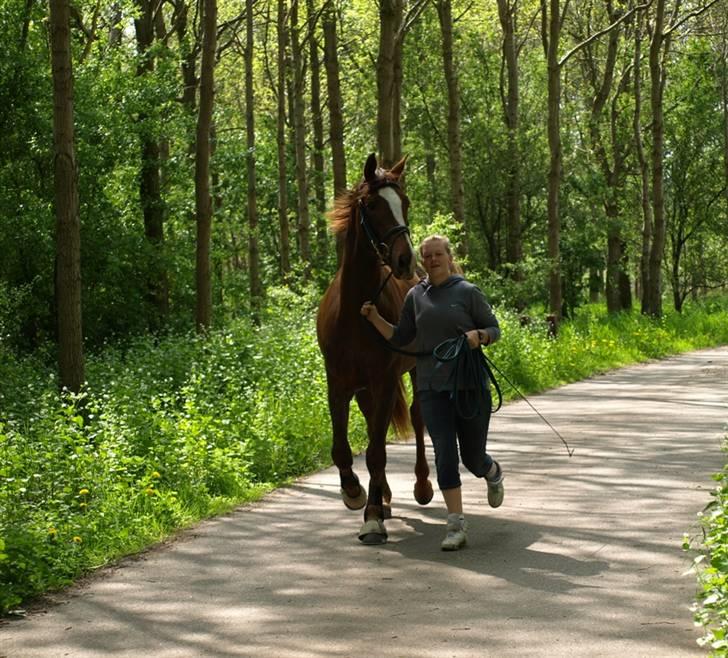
<point x="423" y="486"/>
<point x="352" y="493"/>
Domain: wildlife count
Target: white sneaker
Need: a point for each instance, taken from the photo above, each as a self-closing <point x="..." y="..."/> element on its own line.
<point x="495" y="488"/>
<point x="457" y="533"/>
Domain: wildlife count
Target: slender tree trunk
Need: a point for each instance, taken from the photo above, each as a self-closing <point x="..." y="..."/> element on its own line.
<point x="203" y="199"/>
<point x="115" y="31"/>
<point x="644" y="173"/>
<point x="336" y="118"/>
<point x="390" y="13"/>
<point x="551" y="28"/>
<point x="68" y="225"/>
<point x="150" y="186"/>
<point x="510" y="101"/>
<point x="723" y="85"/>
<point x="256" y="287"/>
<point x="657" y="83"/>
<point x="444" y="12"/>
<point x="285" y="249"/>
<point x="299" y="136"/>
<point x="317" y="122"/>
<point x="188" y="62"/>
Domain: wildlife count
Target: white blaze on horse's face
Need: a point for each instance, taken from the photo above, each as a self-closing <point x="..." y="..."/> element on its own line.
<point x="395" y="206"/>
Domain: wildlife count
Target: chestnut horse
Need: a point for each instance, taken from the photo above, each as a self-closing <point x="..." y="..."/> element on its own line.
<point x="371" y="221"/>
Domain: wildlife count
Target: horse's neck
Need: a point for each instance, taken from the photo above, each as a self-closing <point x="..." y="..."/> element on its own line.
<point x="361" y="273"/>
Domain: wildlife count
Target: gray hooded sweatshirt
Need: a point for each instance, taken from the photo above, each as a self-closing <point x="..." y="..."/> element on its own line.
<point x="432" y="314"/>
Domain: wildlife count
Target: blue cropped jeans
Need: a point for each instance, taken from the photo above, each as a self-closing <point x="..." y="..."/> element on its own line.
<point x="448" y="430"/>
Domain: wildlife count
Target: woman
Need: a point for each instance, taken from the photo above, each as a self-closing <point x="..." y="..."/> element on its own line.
<point x="444" y="306"/>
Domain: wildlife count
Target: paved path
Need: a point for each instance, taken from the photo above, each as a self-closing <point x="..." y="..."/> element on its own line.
<point x="583" y="559"/>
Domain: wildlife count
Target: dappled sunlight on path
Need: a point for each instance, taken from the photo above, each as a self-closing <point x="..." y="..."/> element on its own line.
<point x="584" y="557"/>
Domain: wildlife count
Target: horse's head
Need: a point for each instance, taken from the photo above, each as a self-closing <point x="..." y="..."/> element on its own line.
<point x="383" y="210"/>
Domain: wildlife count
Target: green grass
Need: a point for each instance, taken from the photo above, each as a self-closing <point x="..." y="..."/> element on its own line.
<point x="175" y="429"/>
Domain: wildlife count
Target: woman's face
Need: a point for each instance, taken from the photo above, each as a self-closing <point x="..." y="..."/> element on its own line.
<point x="436" y="260"/>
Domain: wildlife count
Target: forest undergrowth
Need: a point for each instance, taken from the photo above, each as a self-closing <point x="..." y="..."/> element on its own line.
<point x="169" y="430"/>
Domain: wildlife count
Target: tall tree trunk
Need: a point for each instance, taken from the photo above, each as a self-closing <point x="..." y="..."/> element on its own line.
<point x="602" y="83"/>
<point x="390" y="17"/>
<point x="317" y="155"/>
<point x="507" y="12"/>
<point x="551" y="33"/>
<point x="444" y="12"/>
<point x="115" y="31"/>
<point x="68" y="225"/>
<point x="188" y="56"/>
<point x="203" y="199"/>
<point x="336" y="118"/>
<point x="150" y="188"/>
<point x="256" y="287"/>
<point x="299" y="136"/>
<point x="285" y="248"/>
<point x="657" y="85"/>
<point x="644" y="172"/>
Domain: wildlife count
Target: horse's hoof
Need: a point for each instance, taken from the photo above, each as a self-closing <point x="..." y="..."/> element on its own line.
<point x="423" y="492"/>
<point x="387" y="511"/>
<point x="354" y="502"/>
<point x="373" y="533"/>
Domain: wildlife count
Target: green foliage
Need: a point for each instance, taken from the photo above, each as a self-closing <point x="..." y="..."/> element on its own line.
<point x="711" y="566"/>
<point x="169" y="430"/>
<point x="166" y="432"/>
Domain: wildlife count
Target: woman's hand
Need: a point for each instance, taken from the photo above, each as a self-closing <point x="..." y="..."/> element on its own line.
<point x="369" y="311"/>
<point x="474" y="338"/>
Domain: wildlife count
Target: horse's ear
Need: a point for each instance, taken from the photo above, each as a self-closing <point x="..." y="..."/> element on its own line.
<point x="397" y="170"/>
<point x="370" y="168"/>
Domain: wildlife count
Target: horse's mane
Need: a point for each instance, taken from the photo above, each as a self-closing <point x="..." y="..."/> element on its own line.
<point x="340" y="215"/>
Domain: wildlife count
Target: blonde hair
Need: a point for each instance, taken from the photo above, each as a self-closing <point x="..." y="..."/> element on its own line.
<point x="454" y="266"/>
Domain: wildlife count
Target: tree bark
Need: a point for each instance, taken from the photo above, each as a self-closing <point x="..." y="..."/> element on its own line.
<point x="203" y="199"/>
<point x="644" y="172"/>
<point x="285" y="249"/>
<point x="507" y="12"/>
<point x="256" y="287"/>
<point x="602" y="83"/>
<point x="317" y="122"/>
<point x="299" y="136"/>
<point x="551" y="33"/>
<point x="390" y="18"/>
<point x="657" y="83"/>
<point x="336" y="118"/>
<point x="444" y="12"/>
<point x="150" y="186"/>
<point x="68" y="225"/>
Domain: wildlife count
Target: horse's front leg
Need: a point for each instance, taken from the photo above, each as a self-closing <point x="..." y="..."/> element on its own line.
<point x="352" y="493"/>
<point x="423" y="486"/>
<point x="378" y="415"/>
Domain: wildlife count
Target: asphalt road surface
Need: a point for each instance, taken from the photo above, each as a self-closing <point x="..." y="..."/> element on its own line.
<point x="584" y="557"/>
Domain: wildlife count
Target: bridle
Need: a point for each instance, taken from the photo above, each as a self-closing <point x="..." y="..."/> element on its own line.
<point x="381" y="245"/>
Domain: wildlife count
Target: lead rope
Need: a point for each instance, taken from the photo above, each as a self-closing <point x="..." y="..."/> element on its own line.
<point x="452" y="349"/>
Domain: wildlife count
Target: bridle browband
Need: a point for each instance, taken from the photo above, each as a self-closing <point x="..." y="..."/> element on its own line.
<point x="381" y="245"/>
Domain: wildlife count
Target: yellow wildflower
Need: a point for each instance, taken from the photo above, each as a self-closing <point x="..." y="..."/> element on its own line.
<point x="52" y="532"/>
<point x="156" y="475"/>
<point x="83" y="492"/>
<point x="77" y="539"/>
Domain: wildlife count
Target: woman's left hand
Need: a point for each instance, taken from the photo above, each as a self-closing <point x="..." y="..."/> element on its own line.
<point x="473" y="338"/>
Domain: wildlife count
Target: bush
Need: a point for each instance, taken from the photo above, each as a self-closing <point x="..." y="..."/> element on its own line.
<point x="711" y="566"/>
<point x="169" y="430"/>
